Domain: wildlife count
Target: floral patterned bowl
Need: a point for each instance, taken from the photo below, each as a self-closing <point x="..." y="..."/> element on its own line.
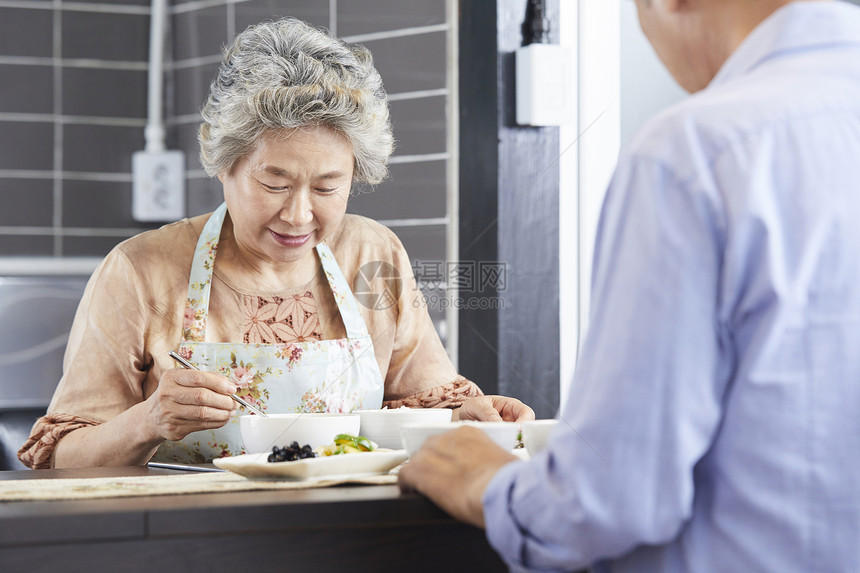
<point x="262" y="434"/>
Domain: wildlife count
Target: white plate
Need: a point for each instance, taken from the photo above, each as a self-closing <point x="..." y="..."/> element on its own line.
<point x="337" y="467"/>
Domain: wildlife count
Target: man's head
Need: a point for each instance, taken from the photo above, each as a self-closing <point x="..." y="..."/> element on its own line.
<point x="694" y="38"/>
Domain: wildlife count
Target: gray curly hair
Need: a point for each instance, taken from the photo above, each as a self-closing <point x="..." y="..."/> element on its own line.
<point x="285" y="75"/>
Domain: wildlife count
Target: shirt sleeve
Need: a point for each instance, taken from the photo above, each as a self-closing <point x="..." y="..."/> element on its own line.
<point x="104" y="365"/>
<point x="451" y="395"/>
<point x="37" y="453"/>
<point x="645" y="402"/>
<point x="418" y="361"/>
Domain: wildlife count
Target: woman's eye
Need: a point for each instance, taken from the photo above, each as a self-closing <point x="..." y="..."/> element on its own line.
<point x="274" y="187"/>
<point x="326" y="190"/>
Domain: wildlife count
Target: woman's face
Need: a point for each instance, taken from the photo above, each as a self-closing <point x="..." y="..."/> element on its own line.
<point x="289" y="193"/>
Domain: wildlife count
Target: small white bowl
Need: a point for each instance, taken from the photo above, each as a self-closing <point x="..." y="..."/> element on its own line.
<point x="536" y="434"/>
<point x="383" y="426"/>
<point x="261" y="434"/>
<point x="504" y="434"/>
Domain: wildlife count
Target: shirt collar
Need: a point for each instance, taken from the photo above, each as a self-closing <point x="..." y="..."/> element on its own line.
<point x="797" y="26"/>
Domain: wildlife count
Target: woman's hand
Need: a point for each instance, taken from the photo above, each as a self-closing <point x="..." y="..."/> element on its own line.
<point x="184" y="402"/>
<point x="190" y="400"/>
<point x="494" y="409"/>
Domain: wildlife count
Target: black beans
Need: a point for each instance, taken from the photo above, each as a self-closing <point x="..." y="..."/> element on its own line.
<point x="291" y="453"/>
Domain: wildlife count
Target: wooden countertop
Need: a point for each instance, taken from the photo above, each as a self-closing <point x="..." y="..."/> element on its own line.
<point x="342" y="528"/>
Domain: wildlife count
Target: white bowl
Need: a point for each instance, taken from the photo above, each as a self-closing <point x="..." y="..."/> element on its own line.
<point x="383" y="426"/>
<point x="536" y="434"/>
<point x="504" y="434"/>
<point x="262" y="434"/>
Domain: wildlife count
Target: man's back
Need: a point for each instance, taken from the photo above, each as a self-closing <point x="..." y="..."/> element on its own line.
<point x="772" y="148"/>
<point x="712" y="424"/>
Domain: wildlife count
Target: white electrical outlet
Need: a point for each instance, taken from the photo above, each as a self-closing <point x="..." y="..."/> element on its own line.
<point x="158" y="185"/>
<point x="545" y="88"/>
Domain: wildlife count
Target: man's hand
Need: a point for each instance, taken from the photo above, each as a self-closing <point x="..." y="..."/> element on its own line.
<point x="453" y="470"/>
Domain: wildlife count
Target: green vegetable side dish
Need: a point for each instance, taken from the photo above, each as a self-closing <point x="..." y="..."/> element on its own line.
<point x="346" y="444"/>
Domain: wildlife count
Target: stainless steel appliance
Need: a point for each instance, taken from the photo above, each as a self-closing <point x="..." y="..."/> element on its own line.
<point x="36" y="314"/>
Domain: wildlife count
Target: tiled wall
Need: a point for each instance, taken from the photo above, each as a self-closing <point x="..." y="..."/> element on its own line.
<point x="73" y="108"/>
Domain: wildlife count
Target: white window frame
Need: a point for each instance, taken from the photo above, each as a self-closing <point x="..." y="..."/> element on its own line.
<point x="589" y="152"/>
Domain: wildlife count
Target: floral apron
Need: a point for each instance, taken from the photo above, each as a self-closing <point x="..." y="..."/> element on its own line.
<point x="316" y="376"/>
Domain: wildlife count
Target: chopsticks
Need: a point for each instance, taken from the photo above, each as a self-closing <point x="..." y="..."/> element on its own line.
<point x="187" y="364"/>
<point x="184" y="467"/>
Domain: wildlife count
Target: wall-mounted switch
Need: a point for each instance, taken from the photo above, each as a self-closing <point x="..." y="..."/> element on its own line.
<point x="158" y="185"/>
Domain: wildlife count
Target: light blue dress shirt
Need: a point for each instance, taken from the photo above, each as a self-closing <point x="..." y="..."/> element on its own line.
<point x="713" y="424"/>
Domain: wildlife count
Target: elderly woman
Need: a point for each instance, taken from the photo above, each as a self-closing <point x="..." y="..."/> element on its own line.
<point x="256" y="294"/>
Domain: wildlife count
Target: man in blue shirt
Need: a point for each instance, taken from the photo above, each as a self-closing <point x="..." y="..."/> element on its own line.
<point x="714" y="420"/>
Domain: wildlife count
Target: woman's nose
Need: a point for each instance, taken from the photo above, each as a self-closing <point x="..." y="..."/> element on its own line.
<point x="297" y="209"/>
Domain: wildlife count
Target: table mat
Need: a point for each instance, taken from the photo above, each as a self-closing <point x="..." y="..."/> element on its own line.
<point x="130" y="486"/>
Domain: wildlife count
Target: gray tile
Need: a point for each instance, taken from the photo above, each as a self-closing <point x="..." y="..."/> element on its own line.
<point x="100" y="148"/>
<point x="26" y="245"/>
<point x="435" y="301"/>
<point x="128" y="2"/>
<point x="105" y="36"/>
<point x="411" y="63"/>
<point x="26" y="32"/>
<point x="184" y="138"/>
<point x="199" y="33"/>
<point x="314" y="12"/>
<point x="108" y="93"/>
<point x="413" y="190"/>
<point x="26" y="89"/>
<point x="204" y="195"/>
<point x="27" y="202"/>
<point x="419" y="125"/>
<point x="191" y="88"/>
<point x="367" y="16"/>
<point x="98" y="205"/>
<point x="89" y="246"/>
<point x="26" y="145"/>
<point x="424" y="243"/>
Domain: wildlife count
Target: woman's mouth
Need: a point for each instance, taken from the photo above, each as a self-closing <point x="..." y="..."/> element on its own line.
<point x="290" y="240"/>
